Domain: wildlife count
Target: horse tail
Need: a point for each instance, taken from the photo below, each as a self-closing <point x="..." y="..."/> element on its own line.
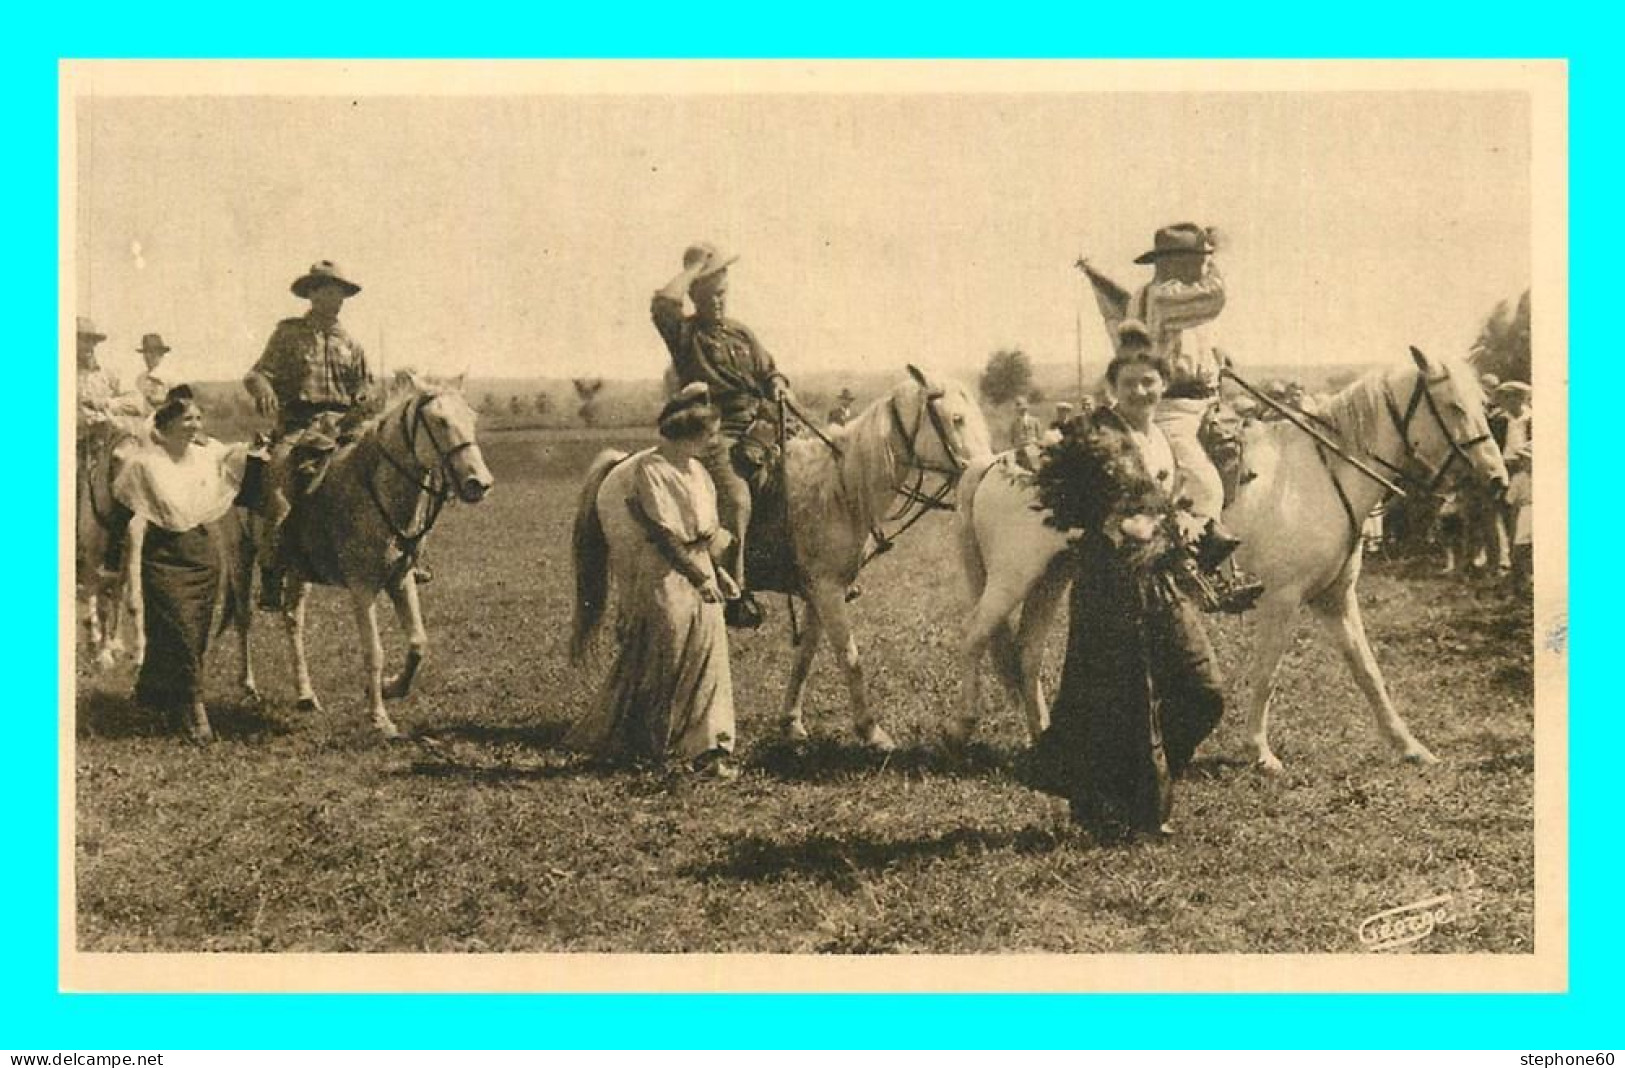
<point x="590" y="552"/>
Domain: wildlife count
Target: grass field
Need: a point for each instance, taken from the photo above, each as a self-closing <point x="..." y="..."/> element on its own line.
<point x="306" y="832"/>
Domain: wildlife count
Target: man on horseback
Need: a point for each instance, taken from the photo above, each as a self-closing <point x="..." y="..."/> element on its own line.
<point x="311" y="368"/>
<point x="1184" y="296"/>
<point x="745" y="386"/>
<point x="107" y="419"/>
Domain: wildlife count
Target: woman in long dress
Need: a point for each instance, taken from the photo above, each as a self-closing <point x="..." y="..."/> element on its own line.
<point x="174" y="489"/>
<point x="1140" y="689"/>
<point x="669" y="696"/>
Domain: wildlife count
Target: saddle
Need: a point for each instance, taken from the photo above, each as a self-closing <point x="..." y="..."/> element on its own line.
<point x="770" y="561"/>
<point x="1222" y="438"/>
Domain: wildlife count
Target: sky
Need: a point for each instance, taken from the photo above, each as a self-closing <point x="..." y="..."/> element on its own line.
<point x="522" y="235"/>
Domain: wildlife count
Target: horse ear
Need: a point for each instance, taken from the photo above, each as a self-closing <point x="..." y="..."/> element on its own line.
<point x="918" y="376"/>
<point x="1421" y="360"/>
<point x="457" y="383"/>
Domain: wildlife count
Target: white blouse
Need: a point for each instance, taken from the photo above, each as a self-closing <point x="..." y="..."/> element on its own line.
<point x="179" y="495"/>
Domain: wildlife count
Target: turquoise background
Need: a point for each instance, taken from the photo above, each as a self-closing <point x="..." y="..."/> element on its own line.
<point x="32" y="1015"/>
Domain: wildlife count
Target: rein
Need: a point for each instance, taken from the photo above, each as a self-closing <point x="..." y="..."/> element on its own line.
<point x="435" y="482"/>
<point x="1325" y="443"/>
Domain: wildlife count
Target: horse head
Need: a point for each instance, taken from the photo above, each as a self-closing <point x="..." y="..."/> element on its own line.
<point x="442" y="438"/>
<point x="940" y="423"/>
<point x="1438" y="406"/>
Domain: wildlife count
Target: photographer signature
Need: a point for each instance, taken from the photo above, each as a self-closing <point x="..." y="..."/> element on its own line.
<point x="1408" y="924"/>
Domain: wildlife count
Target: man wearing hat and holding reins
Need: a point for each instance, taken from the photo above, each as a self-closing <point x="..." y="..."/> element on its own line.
<point x="1185" y="294"/>
<point x="724" y="354"/>
<point x="311" y="366"/>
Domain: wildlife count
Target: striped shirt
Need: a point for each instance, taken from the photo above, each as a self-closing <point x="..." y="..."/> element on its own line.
<point x="1176" y="313"/>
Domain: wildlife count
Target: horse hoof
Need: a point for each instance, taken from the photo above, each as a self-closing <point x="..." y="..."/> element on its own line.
<point x="876" y="738"/>
<point x="795" y="731"/>
<point x="390" y="732"/>
<point x="308" y="704"/>
<point x="1420" y="757"/>
<point x="200" y="736"/>
<point x="1269" y="764"/>
<point x="396" y="690"/>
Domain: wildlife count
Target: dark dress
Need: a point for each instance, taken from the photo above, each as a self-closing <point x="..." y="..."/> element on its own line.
<point x="1140" y="689"/>
<point x="180" y="573"/>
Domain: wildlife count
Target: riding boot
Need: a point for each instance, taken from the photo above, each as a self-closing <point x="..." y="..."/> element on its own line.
<point x="1234" y="590"/>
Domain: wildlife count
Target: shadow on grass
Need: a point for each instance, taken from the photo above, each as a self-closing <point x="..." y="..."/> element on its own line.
<point x="842" y="862"/>
<point x="108" y="715"/>
<point x="824" y="760"/>
<point x="546" y="737"/>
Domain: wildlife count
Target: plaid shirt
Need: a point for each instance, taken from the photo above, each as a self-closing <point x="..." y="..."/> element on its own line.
<point x="313" y="365"/>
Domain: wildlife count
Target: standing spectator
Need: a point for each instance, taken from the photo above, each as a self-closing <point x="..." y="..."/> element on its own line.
<point x="154" y="389"/>
<point x="1518" y="452"/>
<point x="841" y="414"/>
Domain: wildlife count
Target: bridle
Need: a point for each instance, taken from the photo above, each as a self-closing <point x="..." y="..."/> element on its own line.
<point x="437" y="482"/>
<point x="1405" y="471"/>
<point x="1422" y="396"/>
<point x="917" y="500"/>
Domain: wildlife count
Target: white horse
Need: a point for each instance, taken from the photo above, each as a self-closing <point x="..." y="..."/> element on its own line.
<point x="1299" y="519"/>
<point x="838" y="493"/>
<point x="360" y="526"/>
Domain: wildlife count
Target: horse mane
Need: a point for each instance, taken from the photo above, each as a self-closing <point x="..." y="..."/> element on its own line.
<point x="863" y="471"/>
<point x="1356" y="411"/>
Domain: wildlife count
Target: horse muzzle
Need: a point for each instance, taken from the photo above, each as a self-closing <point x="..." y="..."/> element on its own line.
<point x="473" y="490"/>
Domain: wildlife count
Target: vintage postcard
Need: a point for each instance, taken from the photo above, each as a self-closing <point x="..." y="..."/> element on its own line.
<point x="802" y="526"/>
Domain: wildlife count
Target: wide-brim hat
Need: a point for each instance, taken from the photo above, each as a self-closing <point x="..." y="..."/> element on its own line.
<point x="152" y="343"/>
<point x="88" y="329"/>
<point x="716" y="260"/>
<point x="1514" y="386"/>
<point x="846" y="395"/>
<point x="1180" y="239"/>
<point x="326" y="272"/>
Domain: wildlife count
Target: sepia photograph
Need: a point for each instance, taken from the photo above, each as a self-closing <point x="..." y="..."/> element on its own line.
<point x="802" y="526"/>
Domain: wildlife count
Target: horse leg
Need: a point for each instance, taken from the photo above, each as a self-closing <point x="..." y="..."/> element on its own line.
<point x="989" y="623"/>
<point x="246" y="682"/>
<point x="293" y="617"/>
<point x="812" y="631"/>
<point x="198" y="723"/>
<point x="409" y="613"/>
<point x="1275" y="616"/>
<point x="1037" y="614"/>
<point x="1339" y="610"/>
<point x="365" y="603"/>
<point x="829" y="601"/>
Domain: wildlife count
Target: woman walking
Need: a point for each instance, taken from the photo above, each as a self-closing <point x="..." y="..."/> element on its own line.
<point x="1140" y="689"/>
<point x="670" y="692"/>
<point x="175" y="488"/>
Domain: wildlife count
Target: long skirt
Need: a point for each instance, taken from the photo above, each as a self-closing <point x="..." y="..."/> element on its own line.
<point x="1139" y="692"/>
<point x="670" y="692"/>
<point x="180" y="575"/>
